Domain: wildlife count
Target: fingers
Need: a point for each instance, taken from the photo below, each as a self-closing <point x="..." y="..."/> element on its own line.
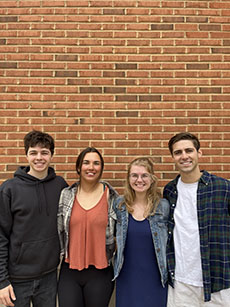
<point x="7" y="295"/>
<point x="12" y="294"/>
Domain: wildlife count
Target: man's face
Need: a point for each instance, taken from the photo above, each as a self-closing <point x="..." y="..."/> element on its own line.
<point x="186" y="156"/>
<point x="39" y="159"/>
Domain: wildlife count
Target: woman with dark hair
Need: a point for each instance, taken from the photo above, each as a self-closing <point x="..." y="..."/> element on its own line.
<point x="140" y="262"/>
<point x="86" y="229"/>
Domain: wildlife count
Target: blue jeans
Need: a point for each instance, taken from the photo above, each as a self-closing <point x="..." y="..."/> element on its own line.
<point x="41" y="292"/>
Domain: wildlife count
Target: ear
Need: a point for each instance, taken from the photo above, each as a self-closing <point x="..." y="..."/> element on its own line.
<point x="199" y="153"/>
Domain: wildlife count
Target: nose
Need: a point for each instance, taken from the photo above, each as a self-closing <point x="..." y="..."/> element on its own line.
<point x="139" y="178"/>
<point x="91" y="165"/>
<point x="39" y="156"/>
<point x="184" y="155"/>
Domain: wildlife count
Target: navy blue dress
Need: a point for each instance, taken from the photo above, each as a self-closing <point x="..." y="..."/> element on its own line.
<point x="139" y="282"/>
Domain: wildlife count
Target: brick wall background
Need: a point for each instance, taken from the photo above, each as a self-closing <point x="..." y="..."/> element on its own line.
<point x="123" y="76"/>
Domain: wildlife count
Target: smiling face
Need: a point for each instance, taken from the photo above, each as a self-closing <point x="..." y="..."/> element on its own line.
<point x="139" y="179"/>
<point x="39" y="159"/>
<point x="91" y="167"/>
<point x="186" y="157"/>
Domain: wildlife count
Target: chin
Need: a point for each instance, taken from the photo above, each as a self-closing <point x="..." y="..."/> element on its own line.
<point x="140" y="190"/>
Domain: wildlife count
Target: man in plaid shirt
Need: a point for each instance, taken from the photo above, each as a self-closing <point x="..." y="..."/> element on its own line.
<point x="198" y="251"/>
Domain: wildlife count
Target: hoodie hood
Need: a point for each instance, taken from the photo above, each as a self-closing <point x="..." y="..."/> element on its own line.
<point x="22" y="174"/>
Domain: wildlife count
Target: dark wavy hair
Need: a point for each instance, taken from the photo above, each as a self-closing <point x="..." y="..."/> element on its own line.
<point x="35" y="137"/>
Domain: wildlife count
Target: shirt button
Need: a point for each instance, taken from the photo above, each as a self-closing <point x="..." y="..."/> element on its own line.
<point x="155" y="234"/>
<point x="173" y="205"/>
<point x="158" y="250"/>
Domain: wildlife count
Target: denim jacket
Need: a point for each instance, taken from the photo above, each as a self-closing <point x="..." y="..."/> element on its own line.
<point x="159" y="229"/>
<point x="64" y="212"/>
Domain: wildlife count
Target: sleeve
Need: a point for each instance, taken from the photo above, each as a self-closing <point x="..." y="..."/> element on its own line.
<point x="64" y="184"/>
<point x="166" y="208"/>
<point x="112" y="212"/>
<point x="164" y="193"/>
<point x="228" y="198"/>
<point x="6" y="220"/>
<point x="60" y="224"/>
<point x="116" y="204"/>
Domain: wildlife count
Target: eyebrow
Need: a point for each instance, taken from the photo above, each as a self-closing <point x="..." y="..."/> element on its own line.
<point x="186" y="149"/>
<point x="43" y="150"/>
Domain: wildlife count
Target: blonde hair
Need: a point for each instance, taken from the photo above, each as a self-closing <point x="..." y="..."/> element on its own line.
<point x="153" y="195"/>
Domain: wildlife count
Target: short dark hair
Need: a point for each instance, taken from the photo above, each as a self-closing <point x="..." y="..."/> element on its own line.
<point x="35" y="137"/>
<point x="183" y="136"/>
<point x="81" y="156"/>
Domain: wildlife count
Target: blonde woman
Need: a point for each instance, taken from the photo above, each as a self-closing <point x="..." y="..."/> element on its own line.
<point x="140" y="260"/>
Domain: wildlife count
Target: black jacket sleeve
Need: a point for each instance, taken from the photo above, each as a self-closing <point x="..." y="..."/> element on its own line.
<point x="5" y="230"/>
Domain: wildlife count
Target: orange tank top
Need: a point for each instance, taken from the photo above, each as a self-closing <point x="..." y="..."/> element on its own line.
<point x="87" y="235"/>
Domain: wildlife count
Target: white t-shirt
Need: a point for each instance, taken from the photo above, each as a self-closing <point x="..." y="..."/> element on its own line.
<point x="186" y="236"/>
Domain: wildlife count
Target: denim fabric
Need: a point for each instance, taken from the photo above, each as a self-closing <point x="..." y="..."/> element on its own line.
<point x="158" y="225"/>
<point x="41" y="292"/>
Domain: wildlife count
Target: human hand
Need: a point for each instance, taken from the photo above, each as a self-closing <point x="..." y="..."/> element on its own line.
<point x="7" y="295"/>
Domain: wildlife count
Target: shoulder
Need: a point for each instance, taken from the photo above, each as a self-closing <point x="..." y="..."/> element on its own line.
<point x="215" y="180"/>
<point x="170" y="187"/>
<point x="68" y="191"/>
<point x="172" y="183"/>
<point x="119" y="208"/>
<point x="8" y="184"/>
<point x="119" y="200"/>
<point x="112" y="191"/>
<point x="117" y="204"/>
<point x="163" y="207"/>
<point x="61" y="180"/>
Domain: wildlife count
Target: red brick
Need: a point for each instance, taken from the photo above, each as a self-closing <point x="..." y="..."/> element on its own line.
<point x="123" y="77"/>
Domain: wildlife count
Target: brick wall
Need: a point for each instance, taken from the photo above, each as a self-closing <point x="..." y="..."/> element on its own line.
<point x="123" y="76"/>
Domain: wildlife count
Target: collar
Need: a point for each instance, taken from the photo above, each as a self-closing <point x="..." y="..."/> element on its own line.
<point x="204" y="178"/>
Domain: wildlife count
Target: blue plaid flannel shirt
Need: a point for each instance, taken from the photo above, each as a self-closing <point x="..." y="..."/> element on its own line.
<point x="213" y="209"/>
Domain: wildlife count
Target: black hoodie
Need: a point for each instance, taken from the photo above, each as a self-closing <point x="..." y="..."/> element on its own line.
<point x="29" y="244"/>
